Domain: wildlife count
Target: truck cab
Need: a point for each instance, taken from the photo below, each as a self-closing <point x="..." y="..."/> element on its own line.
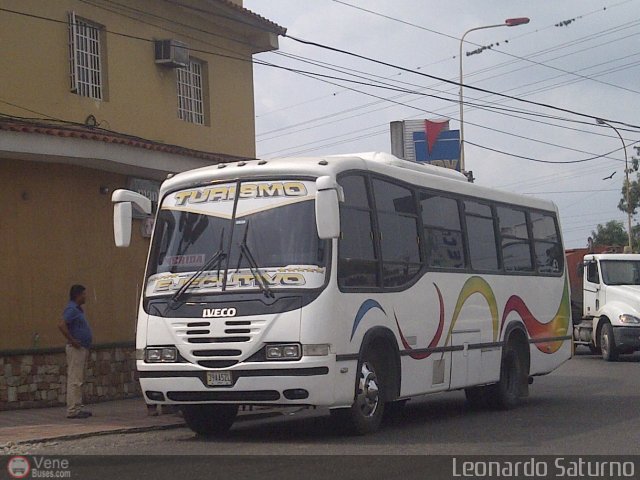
<point x="610" y="301"/>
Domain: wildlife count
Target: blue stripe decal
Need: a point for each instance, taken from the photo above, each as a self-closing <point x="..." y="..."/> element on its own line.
<point x="364" y="308"/>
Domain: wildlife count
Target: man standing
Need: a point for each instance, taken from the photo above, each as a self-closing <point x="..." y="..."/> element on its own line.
<point x="75" y="328"/>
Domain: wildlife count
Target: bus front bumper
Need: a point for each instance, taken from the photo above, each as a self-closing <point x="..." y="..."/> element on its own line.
<point x="302" y="383"/>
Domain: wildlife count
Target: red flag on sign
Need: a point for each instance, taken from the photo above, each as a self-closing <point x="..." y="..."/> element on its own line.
<point x="432" y="130"/>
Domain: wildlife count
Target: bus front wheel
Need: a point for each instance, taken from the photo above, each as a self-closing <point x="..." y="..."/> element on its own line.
<point x="365" y="415"/>
<point x="209" y="420"/>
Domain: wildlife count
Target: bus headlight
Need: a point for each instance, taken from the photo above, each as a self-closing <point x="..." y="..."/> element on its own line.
<point x="626" y="318"/>
<point x="161" y="355"/>
<point x="290" y="351"/>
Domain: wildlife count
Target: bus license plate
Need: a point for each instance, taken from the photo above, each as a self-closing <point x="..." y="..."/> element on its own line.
<point x="217" y="379"/>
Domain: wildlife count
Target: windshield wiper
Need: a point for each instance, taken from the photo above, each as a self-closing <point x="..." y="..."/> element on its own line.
<point x="253" y="265"/>
<point x="256" y="272"/>
<point x="217" y="257"/>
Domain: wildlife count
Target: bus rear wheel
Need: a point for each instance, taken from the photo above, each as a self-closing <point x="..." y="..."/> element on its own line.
<point x="478" y="397"/>
<point x="507" y="392"/>
<point x="209" y="420"/>
<point x="365" y="415"/>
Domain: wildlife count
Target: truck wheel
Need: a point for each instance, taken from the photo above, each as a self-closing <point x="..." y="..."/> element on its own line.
<point x="209" y="420"/>
<point x="365" y="415"/>
<point x="594" y="350"/>
<point x="506" y="393"/>
<point x="608" y="344"/>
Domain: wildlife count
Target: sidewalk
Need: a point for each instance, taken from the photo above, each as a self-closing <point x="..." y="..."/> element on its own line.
<point x="40" y="424"/>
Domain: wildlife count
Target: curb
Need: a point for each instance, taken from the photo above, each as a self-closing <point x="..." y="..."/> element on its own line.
<point x="120" y="431"/>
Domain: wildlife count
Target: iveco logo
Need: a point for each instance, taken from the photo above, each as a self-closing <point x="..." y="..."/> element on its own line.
<point x="218" y="312"/>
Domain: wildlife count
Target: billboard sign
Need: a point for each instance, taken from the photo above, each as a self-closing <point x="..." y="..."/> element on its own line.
<point x="426" y="141"/>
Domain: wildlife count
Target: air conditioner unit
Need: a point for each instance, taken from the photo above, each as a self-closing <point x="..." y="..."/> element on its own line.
<point x="172" y="53"/>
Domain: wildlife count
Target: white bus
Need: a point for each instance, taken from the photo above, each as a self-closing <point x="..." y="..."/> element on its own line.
<point x="348" y="282"/>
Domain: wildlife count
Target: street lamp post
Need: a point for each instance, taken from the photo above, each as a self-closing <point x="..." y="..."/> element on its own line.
<point x="509" y="22"/>
<point x="599" y="121"/>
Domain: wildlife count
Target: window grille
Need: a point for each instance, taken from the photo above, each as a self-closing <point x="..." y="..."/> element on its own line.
<point x="84" y="57"/>
<point x="190" y="94"/>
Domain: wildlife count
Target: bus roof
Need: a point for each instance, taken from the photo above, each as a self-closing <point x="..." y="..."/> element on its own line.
<point x="418" y="174"/>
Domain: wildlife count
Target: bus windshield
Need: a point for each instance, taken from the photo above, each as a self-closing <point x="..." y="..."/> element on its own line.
<point x="621" y="272"/>
<point x="249" y="236"/>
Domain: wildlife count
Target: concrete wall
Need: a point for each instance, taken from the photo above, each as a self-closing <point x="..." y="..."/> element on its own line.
<point x="56" y="229"/>
<point x="141" y="97"/>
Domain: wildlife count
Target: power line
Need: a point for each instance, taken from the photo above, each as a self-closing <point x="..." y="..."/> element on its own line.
<point x="572" y="191"/>
<point x="477" y="125"/>
<point x="413" y="92"/>
<point x="453" y="82"/>
<point x="450" y="36"/>
<point x="470" y="74"/>
<point x="305" y="59"/>
<point x="546" y="161"/>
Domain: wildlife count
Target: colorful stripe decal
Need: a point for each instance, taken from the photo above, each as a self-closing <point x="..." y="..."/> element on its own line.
<point x="362" y="311"/>
<point x="472" y="286"/>
<point x="557" y="327"/>
<point x="547" y="337"/>
<point x="434" y="341"/>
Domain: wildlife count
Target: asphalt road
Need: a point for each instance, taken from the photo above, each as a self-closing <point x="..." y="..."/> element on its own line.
<point x="588" y="406"/>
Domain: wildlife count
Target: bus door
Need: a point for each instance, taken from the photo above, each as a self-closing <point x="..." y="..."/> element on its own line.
<point x="466" y="363"/>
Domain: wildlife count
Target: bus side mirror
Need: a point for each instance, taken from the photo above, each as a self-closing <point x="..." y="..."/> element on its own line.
<point x="327" y="208"/>
<point x="123" y="203"/>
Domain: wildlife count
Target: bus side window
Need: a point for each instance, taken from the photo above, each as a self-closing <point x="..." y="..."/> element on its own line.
<point x="398" y="224"/>
<point x="546" y="243"/>
<point x="481" y="236"/>
<point x="357" y="259"/>
<point x="442" y="231"/>
<point x="514" y="233"/>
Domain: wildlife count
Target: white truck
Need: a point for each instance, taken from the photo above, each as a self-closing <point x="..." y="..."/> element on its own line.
<point x="606" y="303"/>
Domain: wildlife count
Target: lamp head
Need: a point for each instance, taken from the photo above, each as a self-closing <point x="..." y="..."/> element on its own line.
<point x="514" y="22"/>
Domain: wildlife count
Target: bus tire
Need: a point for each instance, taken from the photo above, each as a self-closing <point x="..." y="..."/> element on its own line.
<point x="506" y="394"/>
<point x="394" y="410"/>
<point x="608" y="343"/>
<point x="209" y="420"/>
<point x="478" y="397"/>
<point x="365" y="415"/>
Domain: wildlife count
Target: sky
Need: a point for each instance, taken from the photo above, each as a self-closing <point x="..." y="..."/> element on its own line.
<point x="589" y="63"/>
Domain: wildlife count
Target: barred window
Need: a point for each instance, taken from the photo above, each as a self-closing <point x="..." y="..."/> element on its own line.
<point x="190" y="93"/>
<point x="85" y="57"/>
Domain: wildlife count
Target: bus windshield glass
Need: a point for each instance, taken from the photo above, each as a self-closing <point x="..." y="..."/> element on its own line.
<point x="621" y="272"/>
<point x="249" y="235"/>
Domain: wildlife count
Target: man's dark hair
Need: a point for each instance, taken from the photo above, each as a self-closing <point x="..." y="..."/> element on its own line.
<point x="75" y="291"/>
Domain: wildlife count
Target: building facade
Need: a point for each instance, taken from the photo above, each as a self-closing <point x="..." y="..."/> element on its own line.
<point x="98" y="95"/>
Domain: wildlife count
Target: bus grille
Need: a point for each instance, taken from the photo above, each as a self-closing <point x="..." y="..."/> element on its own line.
<point x="218" y="343"/>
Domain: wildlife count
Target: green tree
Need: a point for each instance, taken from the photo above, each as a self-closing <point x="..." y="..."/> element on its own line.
<point x="610" y="234"/>
<point x="634" y="190"/>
